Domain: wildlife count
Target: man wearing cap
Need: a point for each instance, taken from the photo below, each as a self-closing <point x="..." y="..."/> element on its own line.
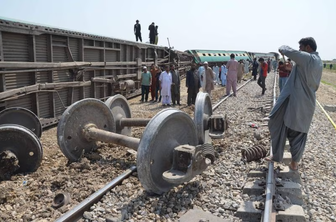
<point x="137" y="31"/>
<point x="146" y="81"/>
<point x="209" y="79"/>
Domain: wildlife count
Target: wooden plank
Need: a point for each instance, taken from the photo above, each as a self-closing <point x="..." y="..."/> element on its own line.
<point x="40" y="87"/>
<point x="43" y="64"/>
<point x="126" y="76"/>
<point x="112" y="63"/>
<point x="102" y="80"/>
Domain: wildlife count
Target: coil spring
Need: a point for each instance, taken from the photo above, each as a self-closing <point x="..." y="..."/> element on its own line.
<point x="209" y="152"/>
<point x="254" y="153"/>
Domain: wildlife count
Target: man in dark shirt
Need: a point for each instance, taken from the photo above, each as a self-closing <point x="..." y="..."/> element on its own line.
<point x="193" y="84"/>
<point x="137" y="31"/>
<point x="255" y="66"/>
<point x="152" y="33"/>
<point x="175" y="87"/>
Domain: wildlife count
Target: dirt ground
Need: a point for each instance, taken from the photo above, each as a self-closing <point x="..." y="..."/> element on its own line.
<point x="57" y="174"/>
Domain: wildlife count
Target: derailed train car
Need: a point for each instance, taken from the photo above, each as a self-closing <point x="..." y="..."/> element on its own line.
<point x="47" y="69"/>
<point x="217" y="56"/>
<point x="271" y="55"/>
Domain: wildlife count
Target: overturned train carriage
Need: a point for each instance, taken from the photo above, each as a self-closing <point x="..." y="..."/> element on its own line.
<point x="47" y="69"/>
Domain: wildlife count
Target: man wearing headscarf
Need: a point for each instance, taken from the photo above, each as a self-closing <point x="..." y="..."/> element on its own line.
<point x="293" y="112"/>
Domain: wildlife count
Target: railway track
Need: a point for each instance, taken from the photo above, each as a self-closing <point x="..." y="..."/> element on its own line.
<point x="220" y="191"/>
<point x="280" y="189"/>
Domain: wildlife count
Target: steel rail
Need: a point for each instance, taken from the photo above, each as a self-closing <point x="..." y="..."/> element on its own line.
<point x="270" y="183"/>
<point x="225" y="97"/>
<point x="77" y="212"/>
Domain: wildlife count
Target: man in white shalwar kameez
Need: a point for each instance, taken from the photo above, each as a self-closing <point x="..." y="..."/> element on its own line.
<point x="201" y="75"/>
<point x="165" y="83"/>
<point x="215" y="68"/>
<point x="246" y="67"/>
<point x="293" y="112"/>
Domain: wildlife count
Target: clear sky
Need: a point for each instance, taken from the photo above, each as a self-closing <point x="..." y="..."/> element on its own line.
<point x="249" y="25"/>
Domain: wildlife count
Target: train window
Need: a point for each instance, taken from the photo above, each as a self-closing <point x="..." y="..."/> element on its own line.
<point x="236" y="54"/>
<point x="244" y="54"/>
<point x="209" y="54"/>
<point x="215" y="54"/>
<point x="204" y="54"/>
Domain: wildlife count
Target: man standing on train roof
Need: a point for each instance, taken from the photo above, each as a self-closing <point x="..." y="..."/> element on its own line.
<point x="165" y="84"/>
<point x="193" y="84"/>
<point x="255" y="66"/>
<point x="137" y="31"/>
<point x="215" y="68"/>
<point x="175" y="88"/>
<point x="293" y="112"/>
<point x="152" y="32"/>
<point x="262" y="75"/>
<point x="209" y="79"/>
<point x="231" y="78"/>
<point x="223" y="74"/>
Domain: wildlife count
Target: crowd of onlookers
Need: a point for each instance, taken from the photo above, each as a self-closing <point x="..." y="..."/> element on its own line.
<point x="164" y="83"/>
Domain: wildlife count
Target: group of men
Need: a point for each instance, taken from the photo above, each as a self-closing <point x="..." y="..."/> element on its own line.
<point x="153" y="32"/>
<point x="163" y="86"/>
